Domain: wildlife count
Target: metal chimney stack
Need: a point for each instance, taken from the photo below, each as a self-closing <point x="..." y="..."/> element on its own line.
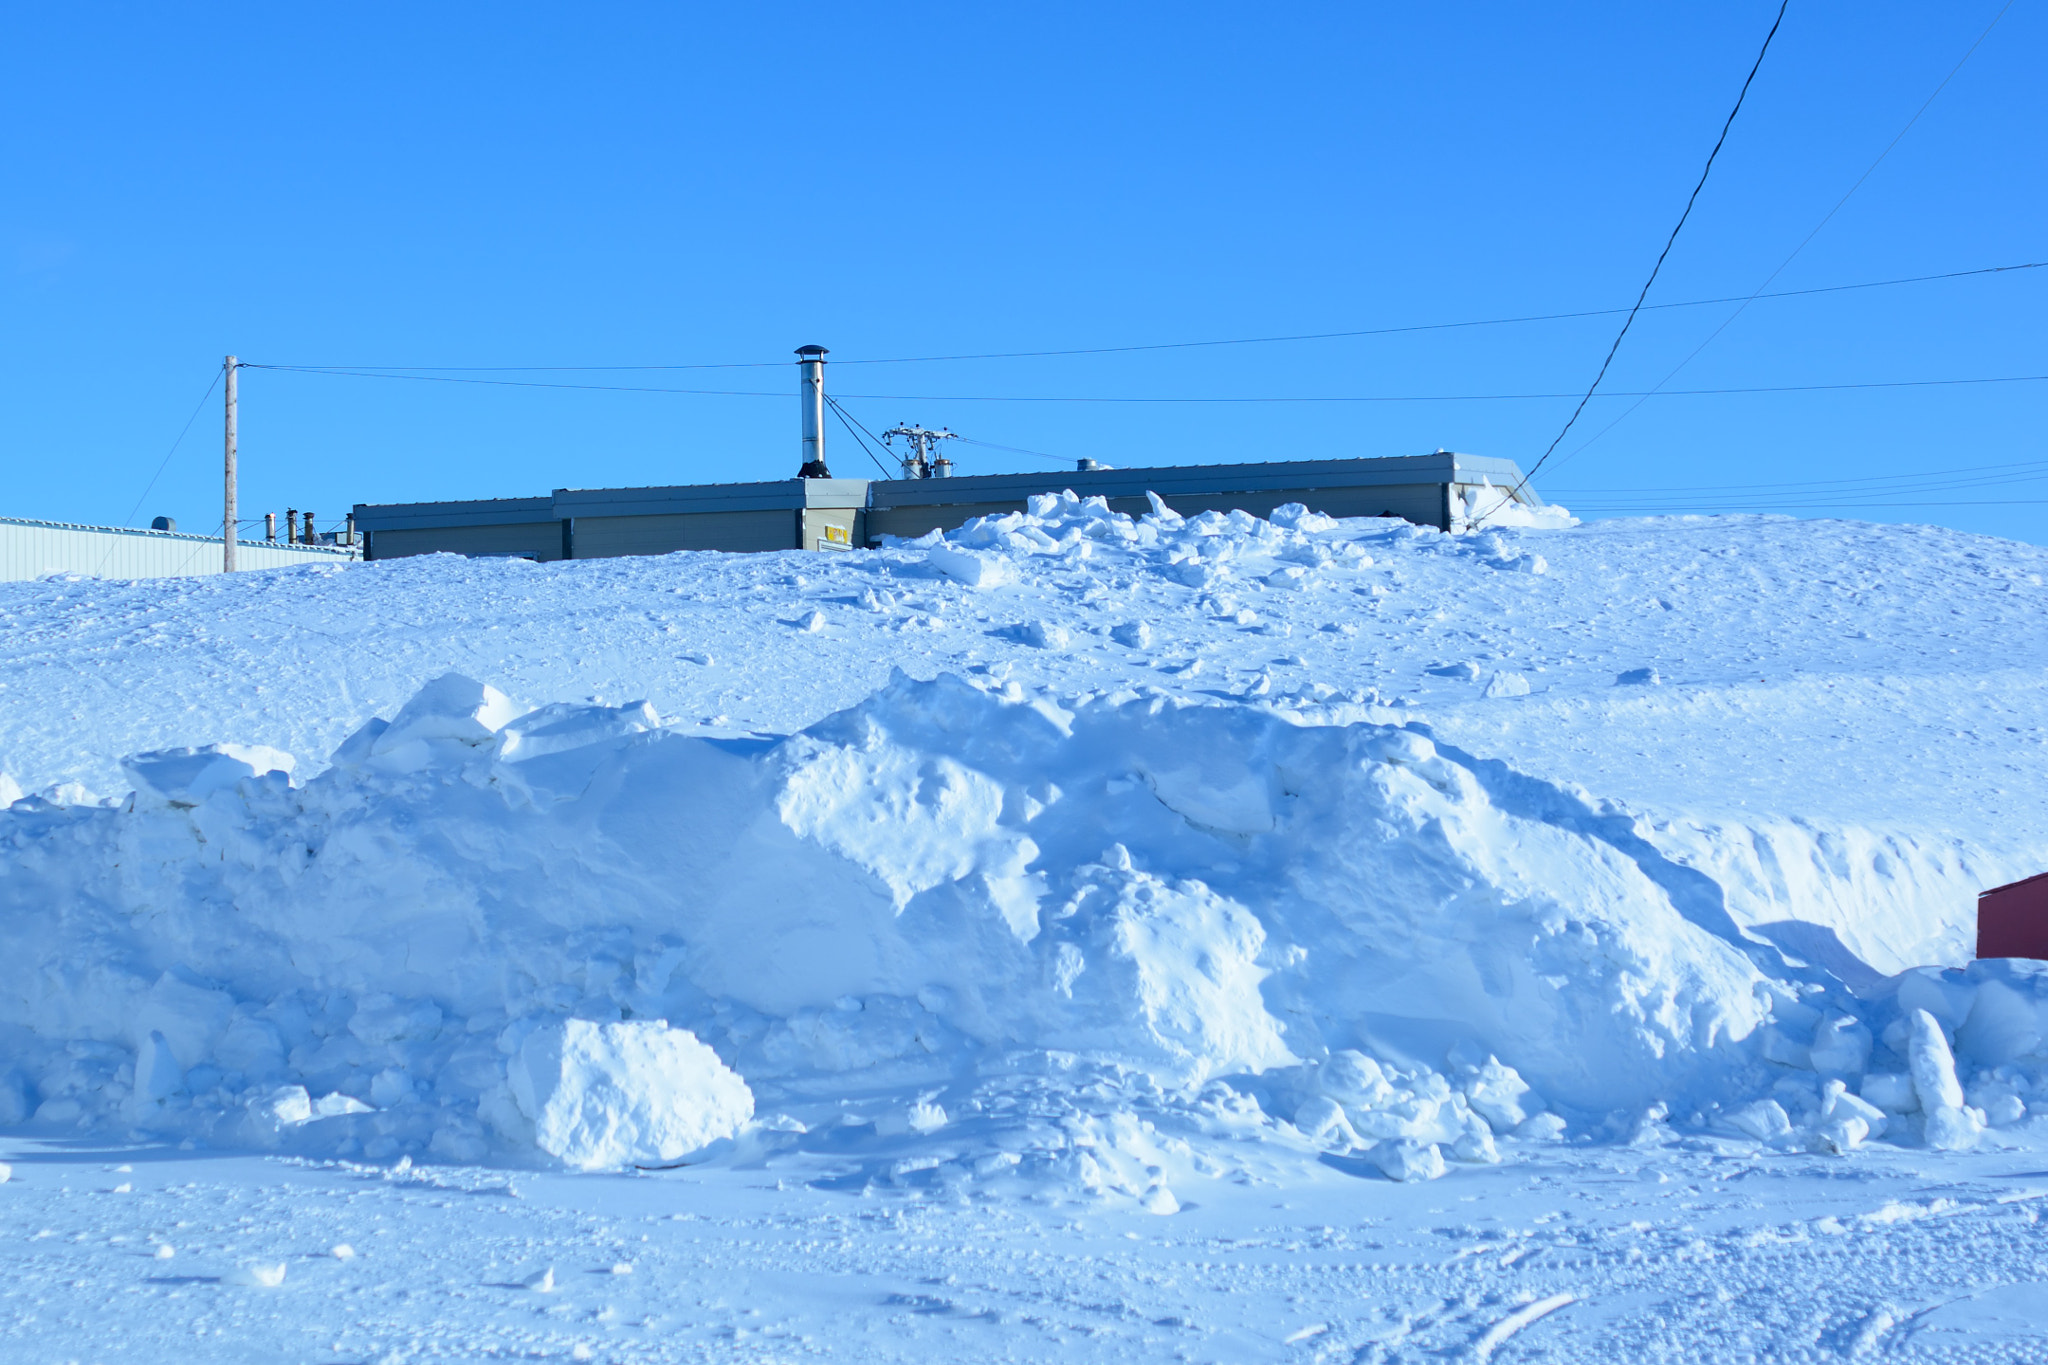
<point x="811" y="393"/>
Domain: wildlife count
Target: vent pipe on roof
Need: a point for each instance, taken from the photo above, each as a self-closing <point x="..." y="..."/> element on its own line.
<point x="810" y="387"/>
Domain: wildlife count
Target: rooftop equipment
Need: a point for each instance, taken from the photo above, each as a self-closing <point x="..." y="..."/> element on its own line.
<point x="921" y="463"/>
<point x="810" y="388"/>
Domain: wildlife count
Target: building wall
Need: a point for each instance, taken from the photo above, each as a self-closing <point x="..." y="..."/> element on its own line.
<point x="1422" y="502"/>
<point x="606" y="537"/>
<point x="31" y="549"/>
<point x="539" y="540"/>
<point x="832" y="528"/>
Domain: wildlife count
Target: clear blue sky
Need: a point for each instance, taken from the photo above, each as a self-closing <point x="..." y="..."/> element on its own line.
<point x="646" y="185"/>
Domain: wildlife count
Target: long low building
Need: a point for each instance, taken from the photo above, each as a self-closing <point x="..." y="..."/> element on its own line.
<point x="842" y="514"/>
<point x="37" y="549"/>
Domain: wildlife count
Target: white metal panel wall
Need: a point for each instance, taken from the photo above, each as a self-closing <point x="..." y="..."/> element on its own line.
<point x="30" y="550"/>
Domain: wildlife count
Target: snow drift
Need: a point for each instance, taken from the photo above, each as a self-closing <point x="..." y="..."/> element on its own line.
<point x="485" y="928"/>
<point x="972" y="929"/>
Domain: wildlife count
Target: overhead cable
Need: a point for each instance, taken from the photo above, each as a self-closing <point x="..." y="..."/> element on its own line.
<point x="1827" y="218"/>
<point x="1162" y="398"/>
<point x="1669" y="242"/>
<point x="1188" y="345"/>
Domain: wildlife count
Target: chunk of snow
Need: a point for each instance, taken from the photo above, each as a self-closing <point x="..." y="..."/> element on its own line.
<point x="256" y="1275"/>
<point x="186" y="777"/>
<point x="1506" y="684"/>
<point x="1404" y="1160"/>
<point x="975" y="568"/>
<point x="607" y="1096"/>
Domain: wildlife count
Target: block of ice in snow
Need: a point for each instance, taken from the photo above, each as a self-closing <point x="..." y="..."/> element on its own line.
<point x="1505" y="684"/>
<point x="190" y="1017"/>
<point x="1953" y="1130"/>
<point x="1401" y="1159"/>
<point x="1944" y="993"/>
<point x="336" y="1105"/>
<point x="285" y="1106"/>
<point x="1764" y="1120"/>
<point x="975" y="568"/>
<point x="1354" y="1079"/>
<point x="637" y="1092"/>
<point x="186" y="777"/>
<point x="1949" y="1126"/>
<point x="1932" y="1064"/>
<point x="451" y="708"/>
<point x="1639" y="677"/>
<point x="1160" y="1200"/>
<point x="1838" y="1103"/>
<point x="1132" y="634"/>
<point x="2003" y="1025"/>
<point x="1841" y="1046"/>
<point x="1891" y="1091"/>
<point x="1040" y="635"/>
<point x="1323" y="1122"/>
<point x="1475" y="1146"/>
<point x="563" y="726"/>
<point x="1839" y="1135"/>
<point x="157" y="1074"/>
<point x="1499" y="1095"/>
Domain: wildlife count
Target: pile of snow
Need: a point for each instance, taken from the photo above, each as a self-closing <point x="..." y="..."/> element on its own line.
<point x="978" y="931"/>
<point x="1488" y="506"/>
<point x="459" y="936"/>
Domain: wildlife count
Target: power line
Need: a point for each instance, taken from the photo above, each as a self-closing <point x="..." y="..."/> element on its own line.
<point x="164" y="463"/>
<point x="1169" y="398"/>
<point x="1804" y="241"/>
<point x="1447" y="326"/>
<point x="1974" y="502"/>
<point x="1816" y="497"/>
<point x="856" y="430"/>
<point x="1018" y="450"/>
<point x="1179" y="345"/>
<point x="500" y="383"/>
<point x="1867" y="479"/>
<point x="1669" y="242"/>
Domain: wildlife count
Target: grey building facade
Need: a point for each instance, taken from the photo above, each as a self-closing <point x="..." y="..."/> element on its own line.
<point x="844" y="514"/>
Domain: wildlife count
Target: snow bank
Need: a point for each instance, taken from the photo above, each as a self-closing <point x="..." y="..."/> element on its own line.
<point x="460" y="933"/>
<point x="972" y="929"/>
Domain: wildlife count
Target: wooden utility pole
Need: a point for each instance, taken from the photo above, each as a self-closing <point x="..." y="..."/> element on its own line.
<point x="227" y="526"/>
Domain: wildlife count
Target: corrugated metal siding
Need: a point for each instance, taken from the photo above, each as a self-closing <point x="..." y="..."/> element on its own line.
<point x="606" y="537"/>
<point x="32" y="549"/>
<point x="524" y="540"/>
<point x="1419" y="502"/>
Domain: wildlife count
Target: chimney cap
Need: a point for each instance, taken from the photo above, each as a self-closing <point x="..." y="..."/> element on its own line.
<point x="812" y="351"/>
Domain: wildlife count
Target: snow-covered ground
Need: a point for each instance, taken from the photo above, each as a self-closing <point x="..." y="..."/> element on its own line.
<point x="1215" y="940"/>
